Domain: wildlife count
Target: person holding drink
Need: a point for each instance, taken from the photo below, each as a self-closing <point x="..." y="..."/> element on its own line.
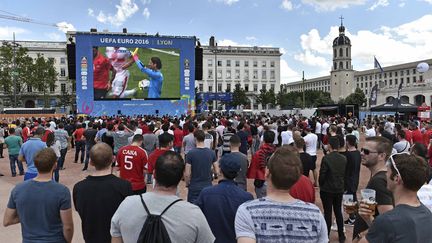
<point x="410" y="220"/>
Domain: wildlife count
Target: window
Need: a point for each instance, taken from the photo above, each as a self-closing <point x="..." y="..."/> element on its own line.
<point x="395" y="74"/>
<point x="365" y="78"/>
<point x="29" y="89"/>
<point x="219" y="87"/>
<point x="272" y="74"/>
<point x="358" y="79"/>
<point x="246" y="87"/>
<point x="421" y="79"/>
<point x="52" y="88"/>
<point x="228" y="63"/>
<point x="390" y="82"/>
<point x="390" y="74"/>
<point x="210" y="88"/>
<point x="346" y="65"/>
<point x="200" y="87"/>
<point x="237" y="63"/>
<point x="237" y="74"/>
<point x="62" y="72"/>
<point x="366" y="85"/>
<point x="362" y="78"/>
<point x="380" y="75"/>
<point x="414" y="71"/>
<point x="335" y="66"/>
<point x="255" y="74"/>
<point x="255" y="87"/>
<point x="264" y="74"/>
<point x="361" y="85"/>
<point x="407" y="72"/>
<point x="272" y="86"/>
<point x="272" y="64"/>
<point x="385" y="82"/>
<point x="228" y="87"/>
<point x="401" y="72"/>
<point x="396" y="81"/>
<point x="340" y="52"/>
<point x="347" y="53"/>
<point x="219" y="74"/>
<point x="264" y="64"/>
<point x="255" y="63"/>
<point x="246" y="74"/>
<point x="263" y="87"/>
<point x="385" y="75"/>
<point x="246" y="63"/>
<point x="62" y="60"/>
<point x="334" y="53"/>
<point x="210" y="73"/>
<point x="228" y="74"/>
<point x="414" y="79"/>
<point x="210" y="62"/>
<point x="408" y="80"/>
<point x="219" y="63"/>
<point x="402" y="79"/>
<point x="340" y="65"/>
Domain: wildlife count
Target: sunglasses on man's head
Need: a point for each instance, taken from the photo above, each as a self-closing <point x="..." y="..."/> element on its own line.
<point x="367" y="151"/>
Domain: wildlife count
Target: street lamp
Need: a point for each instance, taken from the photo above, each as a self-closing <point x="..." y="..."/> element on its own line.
<point x="215" y="51"/>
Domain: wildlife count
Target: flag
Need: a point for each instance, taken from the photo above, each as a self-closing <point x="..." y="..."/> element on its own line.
<point x="400" y="89"/>
<point x="378" y="65"/>
<point x="374" y="95"/>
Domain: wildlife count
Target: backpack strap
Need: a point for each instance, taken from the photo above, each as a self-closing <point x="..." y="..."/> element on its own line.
<point x="147" y="210"/>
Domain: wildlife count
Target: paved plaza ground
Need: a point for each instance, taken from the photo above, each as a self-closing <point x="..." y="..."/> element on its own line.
<point x="72" y="174"/>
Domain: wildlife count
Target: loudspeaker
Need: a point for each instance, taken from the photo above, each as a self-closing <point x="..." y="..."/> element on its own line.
<point x="198" y="63"/>
<point x="70" y="50"/>
<point x="118" y="112"/>
<point x="157" y="112"/>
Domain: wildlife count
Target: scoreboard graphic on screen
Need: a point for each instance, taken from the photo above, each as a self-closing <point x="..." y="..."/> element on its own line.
<point x="134" y="74"/>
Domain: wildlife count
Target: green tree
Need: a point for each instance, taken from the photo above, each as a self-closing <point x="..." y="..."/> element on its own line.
<point x="239" y="97"/>
<point x="266" y="97"/>
<point x="358" y="97"/>
<point x="44" y="75"/>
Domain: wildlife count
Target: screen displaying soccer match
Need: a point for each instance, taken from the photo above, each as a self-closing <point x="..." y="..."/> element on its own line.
<point x="135" y="73"/>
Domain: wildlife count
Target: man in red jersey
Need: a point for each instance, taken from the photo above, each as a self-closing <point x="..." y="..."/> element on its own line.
<point x="417" y="136"/>
<point x="132" y="160"/>
<point x="165" y="144"/>
<point x="101" y="78"/>
<point x="178" y="137"/>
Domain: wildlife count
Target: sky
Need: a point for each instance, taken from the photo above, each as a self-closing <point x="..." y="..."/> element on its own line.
<point x="395" y="31"/>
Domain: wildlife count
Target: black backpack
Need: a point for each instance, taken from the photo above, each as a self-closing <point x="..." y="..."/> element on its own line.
<point x="154" y="229"/>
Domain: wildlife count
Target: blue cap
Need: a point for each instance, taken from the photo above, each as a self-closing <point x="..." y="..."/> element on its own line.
<point x="229" y="164"/>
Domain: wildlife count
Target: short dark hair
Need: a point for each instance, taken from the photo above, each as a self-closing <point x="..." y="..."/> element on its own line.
<point x="44" y="160"/>
<point x="199" y="135"/>
<point x="299" y="142"/>
<point x="121" y="127"/>
<point x="413" y="169"/>
<point x="419" y="149"/>
<point x="137" y="138"/>
<point x="110" y="127"/>
<point x="11" y="130"/>
<point x="383" y="145"/>
<point x="285" y="168"/>
<point x="164" y="139"/>
<point x="61" y="125"/>
<point x="101" y="156"/>
<point x="157" y="61"/>
<point x="401" y="133"/>
<point x="333" y="141"/>
<point x="40" y="131"/>
<point x="169" y="169"/>
<point x="191" y="127"/>
<point x="351" y="140"/>
<point x="269" y="136"/>
<point x="235" y="140"/>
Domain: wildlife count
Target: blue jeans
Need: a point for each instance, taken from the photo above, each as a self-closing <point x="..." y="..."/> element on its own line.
<point x="79" y="147"/>
<point x="14" y="160"/>
<point x="87" y="156"/>
<point x="177" y="149"/>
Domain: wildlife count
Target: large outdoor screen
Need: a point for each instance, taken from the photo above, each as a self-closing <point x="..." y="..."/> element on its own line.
<point x="131" y="74"/>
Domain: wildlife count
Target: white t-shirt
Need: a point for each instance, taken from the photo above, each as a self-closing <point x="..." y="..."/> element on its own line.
<point x="425" y="195"/>
<point x="324" y="128"/>
<point x="370" y="132"/>
<point x="311" y="141"/>
<point x="318" y="128"/>
<point x="287" y="137"/>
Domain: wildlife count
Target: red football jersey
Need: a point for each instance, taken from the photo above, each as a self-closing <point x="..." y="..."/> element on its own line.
<point x="152" y="159"/>
<point x="303" y="189"/>
<point x="132" y="161"/>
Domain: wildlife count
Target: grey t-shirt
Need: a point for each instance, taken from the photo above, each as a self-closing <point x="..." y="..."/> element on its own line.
<point x="269" y="221"/>
<point x="185" y="223"/>
<point x="402" y="224"/>
<point x="241" y="177"/>
<point x="189" y="143"/>
<point x="150" y="142"/>
<point x="38" y="205"/>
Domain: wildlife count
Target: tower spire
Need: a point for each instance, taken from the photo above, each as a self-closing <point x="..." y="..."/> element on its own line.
<point x="341" y="18"/>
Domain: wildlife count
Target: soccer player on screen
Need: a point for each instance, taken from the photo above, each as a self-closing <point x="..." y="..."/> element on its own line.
<point x="101" y="79"/>
<point x="153" y="72"/>
<point x="119" y="58"/>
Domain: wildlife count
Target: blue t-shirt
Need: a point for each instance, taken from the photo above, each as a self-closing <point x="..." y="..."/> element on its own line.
<point x="38" y="205"/>
<point x="219" y="205"/>
<point x="156" y="80"/>
<point x="201" y="161"/>
<point x="29" y="149"/>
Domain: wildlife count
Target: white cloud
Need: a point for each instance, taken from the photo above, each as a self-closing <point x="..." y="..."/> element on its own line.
<point x="428" y="1"/>
<point x="251" y="38"/>
<point x="6" y="33"/>
<point x="286" y="5"/>
<point x="391" y="45"/>
<point x="227" y="2"/>
<point x="331" y="5"/>
<point x="226" y="42"/>
<point x="382" y="3"/>
<point x="125" y="10"/>
<point x="145" y="2"/>
<point x="287" y="73"/>
<point x="65" y="27"/>
<point x="146" y="13"/>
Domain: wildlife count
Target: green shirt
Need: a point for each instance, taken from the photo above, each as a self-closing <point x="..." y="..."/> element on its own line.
<point x="14" y="144"/>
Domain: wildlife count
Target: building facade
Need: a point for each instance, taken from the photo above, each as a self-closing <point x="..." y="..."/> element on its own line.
<point x="31" y="97"/>
<point x="254" y="68"/>
<point x="343" y="79"/>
